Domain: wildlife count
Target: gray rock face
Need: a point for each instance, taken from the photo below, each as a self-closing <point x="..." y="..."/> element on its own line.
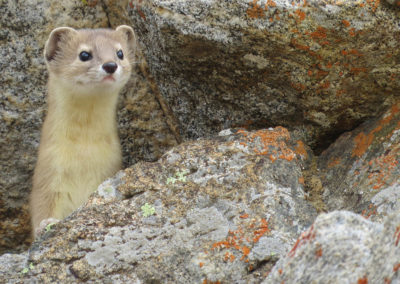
<point x="25" y="26"/>
<point x="320" y="65"/>
<point x="367" y="160"/>
<point x="12" y="265"/>
<point x="213" y="210"/>
<point x="23" y="89"/>
<point x="342" y="247"/>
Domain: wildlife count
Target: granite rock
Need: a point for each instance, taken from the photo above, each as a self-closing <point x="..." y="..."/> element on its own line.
<point x="342" y="247"/>
<point x="366" y="161"/>
<point x="222" y="209"/>
<point x="322" y="66"/>
<point x="226" y="208"/>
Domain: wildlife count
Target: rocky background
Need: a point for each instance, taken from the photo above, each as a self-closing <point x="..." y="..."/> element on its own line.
<point x="144" y="126"/>
<point x="263" y="139"/>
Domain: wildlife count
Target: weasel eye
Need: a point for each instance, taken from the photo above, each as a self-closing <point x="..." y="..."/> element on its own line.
<point x="120" y="54"/>
<point x="85" y="56"/>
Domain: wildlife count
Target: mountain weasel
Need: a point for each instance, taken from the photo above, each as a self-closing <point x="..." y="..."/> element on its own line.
<point x="79" y="144"/>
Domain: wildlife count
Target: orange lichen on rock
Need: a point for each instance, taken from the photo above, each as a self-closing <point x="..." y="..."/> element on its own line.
<point x="246" y="251"/>
<point x="321" y="73"/>
<point x="229" y="256"/>
<point x="255" y="11"/>
<point x="241" y="240"/>
<point x="372" y="210"/>
<point x="393" y="111"/>
<point x="300" y="149"/>
<point x="373" y="4"/>
<point x="301" y="15"/>
<point x="270" y="142"/>
<point x="320" y="33"/>
<point x="352" y="32"/>
<point x="397" y="236"/>
<point x="363" y="141"/>
<point x="244" y="216"/>
<point x="325" y="85"/>
<point x="138" y="9"/>
<point x="362" y="280"/>
<point x="263" y="229"/>
<point x="298" y="87"/>
<point x="318" y="252"/>
<point x="387" y="163"/>
<point x="346" y="23"/>
<point x="396" y="267"/>
<point x="205" y="281"/>
<point x="334" y="162"/>
<point x="355" y="52"/>
<point x="305" y="237"/>
<point x="381" y="170"/>
<point x="269" y="3"/>
<point x="358" y="70"/>
<point x="299" y="46"/>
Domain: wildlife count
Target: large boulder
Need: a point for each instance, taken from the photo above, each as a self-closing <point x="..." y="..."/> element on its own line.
<point x="342" y="247"/>
<point x="324" y="66"/>
<point x="222" y="209"/>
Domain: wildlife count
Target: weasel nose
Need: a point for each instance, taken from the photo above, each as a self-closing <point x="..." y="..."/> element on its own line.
<point x="110" y="67"/>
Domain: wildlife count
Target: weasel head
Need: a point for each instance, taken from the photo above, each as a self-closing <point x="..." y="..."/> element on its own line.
<point x="90" y="61"/>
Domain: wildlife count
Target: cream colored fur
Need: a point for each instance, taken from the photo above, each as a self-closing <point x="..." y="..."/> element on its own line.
<point x="79" y="145"/>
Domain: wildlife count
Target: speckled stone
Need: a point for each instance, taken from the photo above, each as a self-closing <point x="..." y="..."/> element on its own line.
<point x="323" y="66"/>
<point x="222" y="209"/>
<point x="360" y="172"/>
<point x="342" y="247"/>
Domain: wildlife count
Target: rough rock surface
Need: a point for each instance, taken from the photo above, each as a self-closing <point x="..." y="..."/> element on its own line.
<point x="213" y="210"/>
<point x="324" y="66"/>
<point x="25" y="26"/>
<point x="367" y="160"/>
<point x="342" y="247"/>
<point x="225" y="209"/>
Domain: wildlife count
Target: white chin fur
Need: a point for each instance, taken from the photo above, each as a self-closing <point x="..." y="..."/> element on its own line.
<point x="100" y="84"/>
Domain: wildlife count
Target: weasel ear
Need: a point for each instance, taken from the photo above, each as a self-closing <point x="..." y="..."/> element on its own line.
<point x="55" y="38"/>
<point x="129" y="34"/>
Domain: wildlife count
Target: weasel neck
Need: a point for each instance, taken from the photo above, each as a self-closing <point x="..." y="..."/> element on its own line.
<point x="81" y="116"/>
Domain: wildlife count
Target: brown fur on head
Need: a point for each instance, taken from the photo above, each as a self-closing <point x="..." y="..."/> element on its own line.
<point x="62" y="55"/>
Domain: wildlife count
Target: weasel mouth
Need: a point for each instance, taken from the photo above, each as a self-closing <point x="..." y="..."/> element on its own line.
<point x="108" y="78"/>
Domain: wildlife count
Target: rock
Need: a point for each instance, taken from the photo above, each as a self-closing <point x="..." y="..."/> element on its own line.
<point x="144" y="130"/>
<point x="13" y="265"/>
<point x="342" y="247"/>
<point x="366" y="161"/>
<point x="324" y="66"/>
<point x="393" y="2"/>
<point x="222" y="209"/>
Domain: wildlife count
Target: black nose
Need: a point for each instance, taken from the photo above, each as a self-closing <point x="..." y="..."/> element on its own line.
<point x="110" y="67"/>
